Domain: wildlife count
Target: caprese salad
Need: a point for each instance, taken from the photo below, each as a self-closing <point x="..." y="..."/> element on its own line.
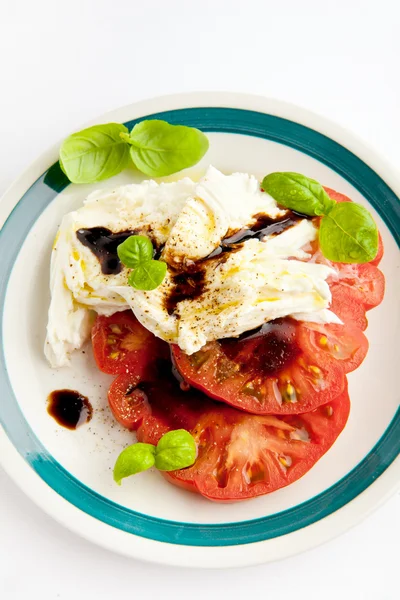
<point x="229" y="310"/>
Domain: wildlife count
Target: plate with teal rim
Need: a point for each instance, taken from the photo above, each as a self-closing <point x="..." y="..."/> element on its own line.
<point x="69" y="473"/>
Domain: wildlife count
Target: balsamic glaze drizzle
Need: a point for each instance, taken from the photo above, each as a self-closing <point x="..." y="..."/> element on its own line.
<point x="104" y="243"/>
<point x="69" y="408"/>
<point x="191" y="282"/>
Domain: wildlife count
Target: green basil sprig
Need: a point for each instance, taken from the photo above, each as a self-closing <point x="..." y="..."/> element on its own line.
<point x="95" y="153"/>
<point x="155" y="147"/>
<point x="299" y="193"/>
<point x="134" y="459"/>
<point x="136" y="252"/>
<point x="159" y="149"/>
<point x="347" y="233"/>
<point x="175" y="450"/>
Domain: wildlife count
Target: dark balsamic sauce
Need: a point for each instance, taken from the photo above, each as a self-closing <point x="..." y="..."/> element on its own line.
<point x="69" y="408"/>
<point x="186" y="285"/>
<point x="191" y="282"/>
<point x="252" y="334"/>
<point x="158" y="251"/>
<point x="104" y="243"/>
<point x="223" y="249"/>
<point x="263" y="226"/>
<point x="165" y="371"/>
<point x="273" y="348"/>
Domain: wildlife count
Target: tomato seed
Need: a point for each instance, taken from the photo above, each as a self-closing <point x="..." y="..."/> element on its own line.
<point x="116" y="329"/>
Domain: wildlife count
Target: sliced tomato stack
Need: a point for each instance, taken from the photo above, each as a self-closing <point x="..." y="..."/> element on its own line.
<point x="262" y="409"/>
<point x="240" y="455"/>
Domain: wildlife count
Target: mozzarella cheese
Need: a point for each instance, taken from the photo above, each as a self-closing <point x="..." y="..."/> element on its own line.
<point x="221" y="205"/>
<point x="258" y="282"/>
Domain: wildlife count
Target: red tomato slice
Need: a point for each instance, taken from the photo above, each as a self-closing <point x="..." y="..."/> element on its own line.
<point x="346" y="307"/>
<point x="239" y="455"/>
<point x="121" y="344"/>
<point x="336" y="195"/>
<point x="364" y="283"/>
<point x="274" y="373"/>
<point x="127" y="402"/>
<point x="345" y="343"/>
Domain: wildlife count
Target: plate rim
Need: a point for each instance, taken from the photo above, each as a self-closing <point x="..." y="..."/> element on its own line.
<point x="228" y="100"/>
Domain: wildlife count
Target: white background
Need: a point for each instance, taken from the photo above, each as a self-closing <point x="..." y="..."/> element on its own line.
<point x="62" y="63"/>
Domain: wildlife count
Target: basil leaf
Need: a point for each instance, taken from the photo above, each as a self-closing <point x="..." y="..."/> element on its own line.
<point x="95" y="153"/>
<point x="299" y="193"/>
<point x="135" y="250"/>
<point x="159" y="149"/>
<point x="134" y="459"/>
<point x="349" y="234"/>
<point x="148" y="275"/>
<point x="175" y="450"/>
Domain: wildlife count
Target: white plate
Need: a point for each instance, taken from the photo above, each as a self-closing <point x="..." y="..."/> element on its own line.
<point x="69" y="473"/>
